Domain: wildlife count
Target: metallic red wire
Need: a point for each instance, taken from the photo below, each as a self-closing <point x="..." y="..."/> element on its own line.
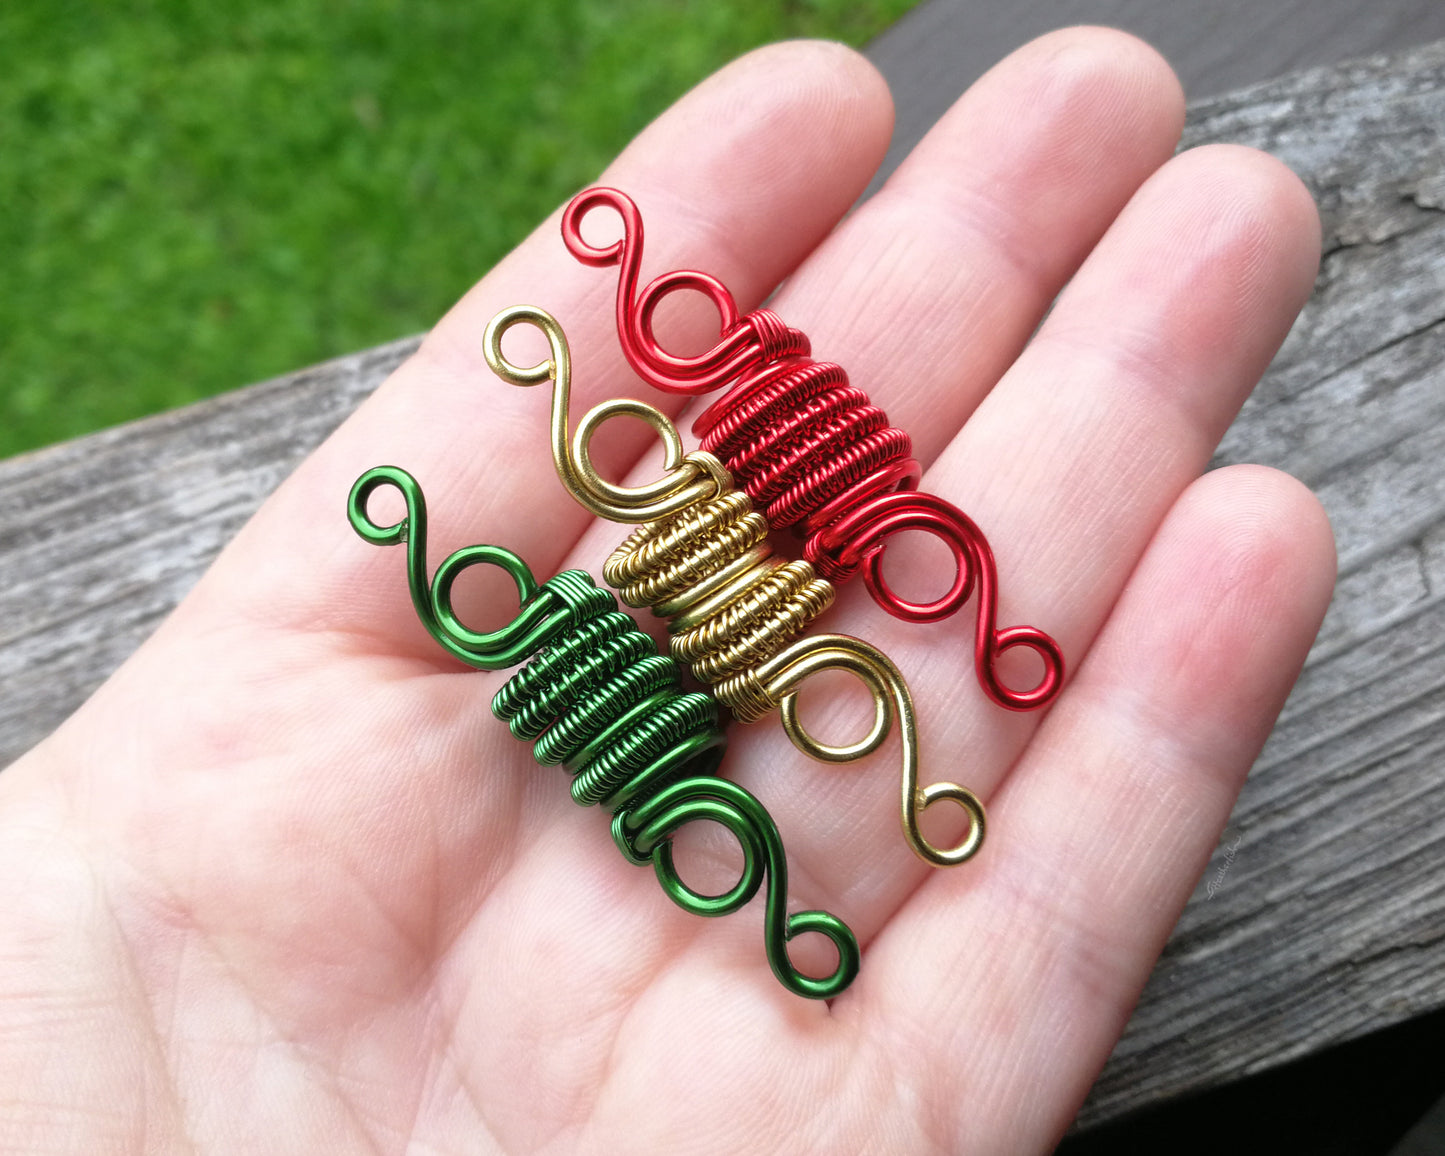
<point x="809" y="447"/>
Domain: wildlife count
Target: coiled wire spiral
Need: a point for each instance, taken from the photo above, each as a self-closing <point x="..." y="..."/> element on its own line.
<point x="810" y="448"/>
<point x="700" y="559"/>
<point x="731" y="603"/>
<point x="598" y="699"/>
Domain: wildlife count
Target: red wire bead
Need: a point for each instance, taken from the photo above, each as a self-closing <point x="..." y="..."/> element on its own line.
<point x="809" y="448"/>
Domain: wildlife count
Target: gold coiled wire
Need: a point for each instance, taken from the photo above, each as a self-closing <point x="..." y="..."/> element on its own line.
<point x="729" y="602"/>
<point x="700" y="559"/>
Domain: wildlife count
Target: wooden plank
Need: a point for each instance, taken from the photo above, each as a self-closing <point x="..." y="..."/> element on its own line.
<point x="943" y="46"/>
<point x="1323" y="915"/>
<point x="100" y="537"/>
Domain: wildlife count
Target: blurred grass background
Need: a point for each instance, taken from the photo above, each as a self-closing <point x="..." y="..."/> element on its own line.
<point x="194" y="196"/>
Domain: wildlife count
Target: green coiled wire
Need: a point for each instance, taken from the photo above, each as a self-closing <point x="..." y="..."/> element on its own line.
<point x="598" y="699"/>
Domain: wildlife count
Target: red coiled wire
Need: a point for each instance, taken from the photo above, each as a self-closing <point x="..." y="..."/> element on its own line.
<point x="809" y="448"/>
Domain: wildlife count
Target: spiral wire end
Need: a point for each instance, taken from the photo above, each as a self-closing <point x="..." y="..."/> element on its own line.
<point x="782" y="676"/>
<point x="688" y="478"/>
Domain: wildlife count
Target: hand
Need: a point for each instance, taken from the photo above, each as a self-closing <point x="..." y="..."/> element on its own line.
<point x="284" y="884"/>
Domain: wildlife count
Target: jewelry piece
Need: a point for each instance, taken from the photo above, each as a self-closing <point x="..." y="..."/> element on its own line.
<point x="700" y="558"/>
<point x="599" y="699"/>
<point x="810" y="448"/>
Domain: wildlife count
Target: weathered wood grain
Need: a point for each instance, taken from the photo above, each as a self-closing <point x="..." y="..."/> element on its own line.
<point x="101" y="536"/>
<point x="1323" y="915"/>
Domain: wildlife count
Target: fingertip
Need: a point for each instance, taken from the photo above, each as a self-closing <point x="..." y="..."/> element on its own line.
<point x="1260" y="201"/>
<point x="798" y="110"/>
<point x="1094" y="76"/>
<point x="1222" y="610"/>
<point x="1043" y="152"/>
<point x="846" y="82"/>
<point x="1273" y="526"/>
<point x="1197" y="283"/>
<point x="1117" y="65"/>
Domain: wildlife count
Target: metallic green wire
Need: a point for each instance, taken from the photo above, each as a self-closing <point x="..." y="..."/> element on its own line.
<point x="598" y="699"/>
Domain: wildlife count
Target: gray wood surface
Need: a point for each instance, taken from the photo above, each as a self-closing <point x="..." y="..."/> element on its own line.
<point x="1323" y="915"/>
<point x="101" y="536"/>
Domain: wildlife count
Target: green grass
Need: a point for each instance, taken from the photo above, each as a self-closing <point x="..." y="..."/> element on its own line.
<point x="196" y="195"/>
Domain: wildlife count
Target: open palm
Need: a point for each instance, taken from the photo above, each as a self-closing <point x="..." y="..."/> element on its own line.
<point x="284" y="884"/>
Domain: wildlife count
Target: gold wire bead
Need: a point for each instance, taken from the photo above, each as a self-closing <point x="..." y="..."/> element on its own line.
<point x="700" y="559"/>
<point x="729" y="601"/>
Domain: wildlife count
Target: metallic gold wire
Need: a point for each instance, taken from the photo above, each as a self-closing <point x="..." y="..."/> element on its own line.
<point x="700" y="558"/>
<point x="731" y="601"/>
<point x="781" y="677"/>
<point x="689" y="478"/>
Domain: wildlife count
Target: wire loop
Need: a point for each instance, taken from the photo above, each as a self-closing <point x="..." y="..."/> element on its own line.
<point x="782" y="677"/>
<point x="728" y="804"/>
<point x="688" y="477"/>
<point x="859" y="539"/>
<point x="655" y="365"/>
<point x="489" y="650"/>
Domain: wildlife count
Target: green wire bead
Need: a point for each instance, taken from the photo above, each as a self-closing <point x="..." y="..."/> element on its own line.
<point x="598" y="699"/>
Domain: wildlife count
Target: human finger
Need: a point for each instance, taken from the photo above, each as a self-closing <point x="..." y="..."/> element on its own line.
<point x="930" y="290"/>
<point x="1069" y="466"/>
<point x="1101" y="832"/>
<point x="751" y="169"/>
